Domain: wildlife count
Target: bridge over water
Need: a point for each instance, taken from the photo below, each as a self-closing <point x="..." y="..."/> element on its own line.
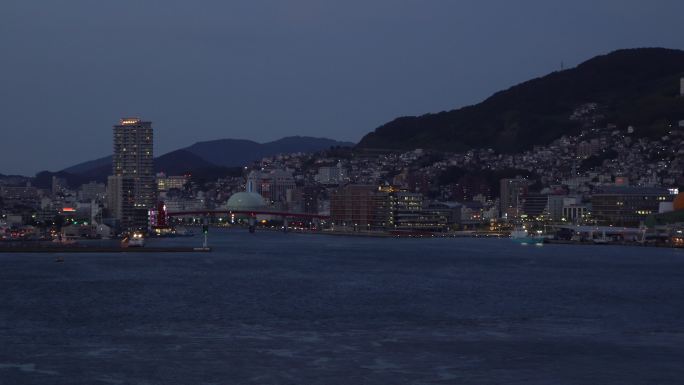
<point x="249" y="213"/>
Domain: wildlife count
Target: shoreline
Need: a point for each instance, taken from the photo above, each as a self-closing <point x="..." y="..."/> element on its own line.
<point x="366" y="234"/>
<point x="29" y="247"/>
<point x="98" y="249"/>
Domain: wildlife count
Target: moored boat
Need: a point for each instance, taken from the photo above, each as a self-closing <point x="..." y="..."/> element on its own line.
<point x="134" y="240"/>
<point x="521" y="235"/>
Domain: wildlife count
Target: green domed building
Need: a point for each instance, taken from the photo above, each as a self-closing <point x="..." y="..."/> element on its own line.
<point x="246" y="201"/>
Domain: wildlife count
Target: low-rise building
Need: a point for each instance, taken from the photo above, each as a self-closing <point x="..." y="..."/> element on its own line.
<point x="627" y="206"/>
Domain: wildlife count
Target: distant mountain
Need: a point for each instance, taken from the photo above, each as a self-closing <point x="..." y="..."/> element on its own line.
<point x="638" y="87"/>
<point x="176" y="162"/>
<point x="210" y="159"/>
<point x="238" y="152"/>
<point x="13" y="176"/>
<point x="179" y="162"/>
<point x="182" y="162"/>
<point x="90" y="165"/>
<point x="172" y="163"/>
<point x="43" y="179"/>
<point x="223" y="152"/>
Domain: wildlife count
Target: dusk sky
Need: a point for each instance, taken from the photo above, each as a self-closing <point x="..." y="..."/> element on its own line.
<point x="261" y="70"/>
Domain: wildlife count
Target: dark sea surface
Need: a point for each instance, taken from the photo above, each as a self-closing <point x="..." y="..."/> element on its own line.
<point x="273" y="308"/>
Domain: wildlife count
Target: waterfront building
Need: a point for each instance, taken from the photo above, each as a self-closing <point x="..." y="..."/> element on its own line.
<point x="565" y="208"/>
<point x="131" y="190"/>
<point x="121" y="203"/>
<point x="535" y="205"/>
<point x="133" y="159"/>
<point x="360" y="207"/>
<point x="406" y="208"/>
<point x="575" y="212"/>
<point x="627" y="206"/>
<point x="554" y="206"/>
<point x="511" y="192"/>
<point x="444" y="214"/>
<point x="367" y="207"/>
<point x="671" y="216"/>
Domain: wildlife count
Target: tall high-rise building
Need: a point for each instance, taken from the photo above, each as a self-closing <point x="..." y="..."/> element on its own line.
<point x="134" y="159"/>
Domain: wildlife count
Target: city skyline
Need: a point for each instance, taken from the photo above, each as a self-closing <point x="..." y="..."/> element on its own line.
<point x="249" y="70"/>
<point x="315" y="191"/>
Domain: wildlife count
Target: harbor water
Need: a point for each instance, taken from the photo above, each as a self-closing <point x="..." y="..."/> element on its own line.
<point x="274" y="308"/>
